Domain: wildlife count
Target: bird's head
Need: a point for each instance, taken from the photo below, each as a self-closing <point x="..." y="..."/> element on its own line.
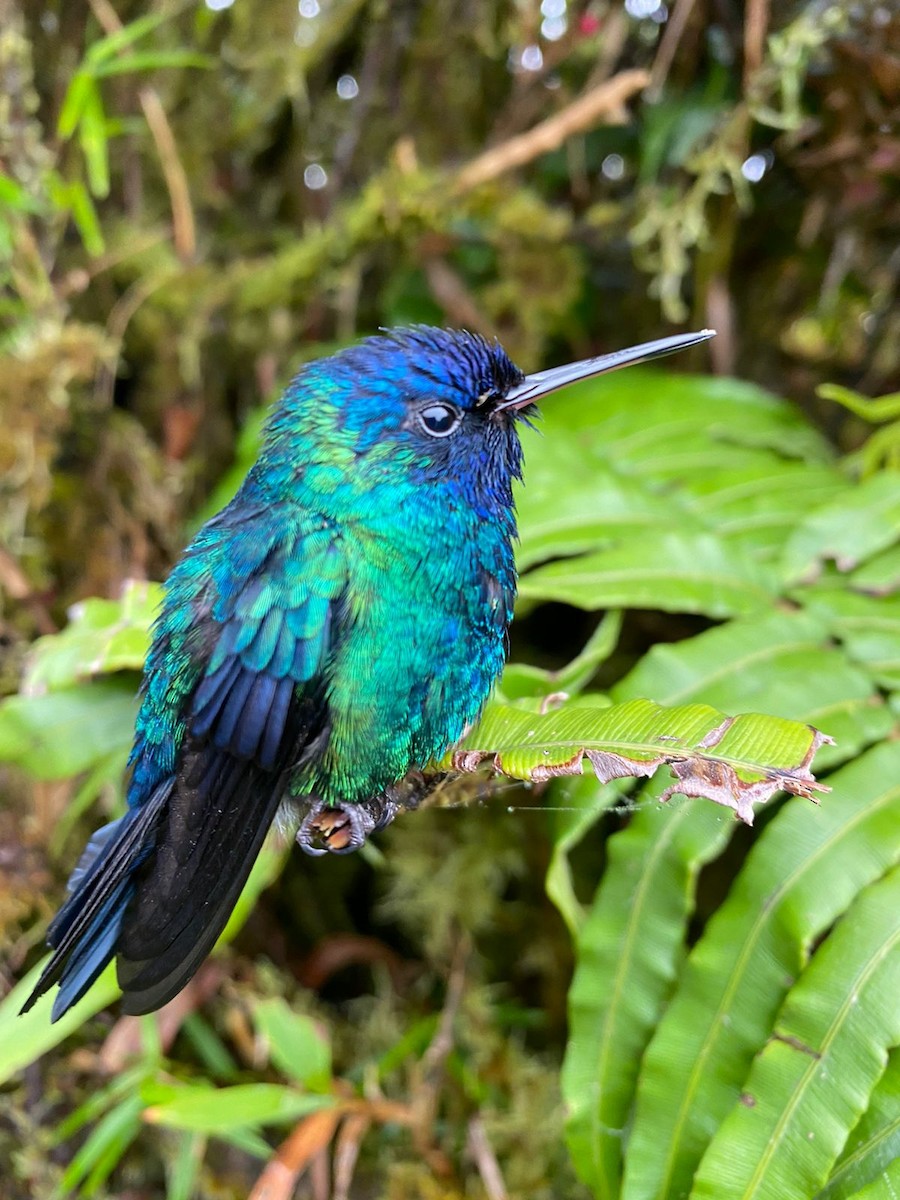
<point x="410" y="406"/>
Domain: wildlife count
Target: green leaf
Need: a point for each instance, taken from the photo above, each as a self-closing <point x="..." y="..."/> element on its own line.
<point x="808" y="866"/>
<point x="875" y="1141"/>
<point x="662" y="426"/>
<point x="264" y="872"/>
<point x="665" y="571"/>
<point x="575" y="807"/>
<point x="522" y="679"/>
<point x="102" y="636"/>
<point x="97" y="1158"/>
<point x="867" y="626"/>
<point x="23" y="1039"/>
<point x="106" y="775"/>
<point x="183" y="1168"/>
<point x="113" y="43"/>
<point x="849" y="530"/>
<point x="153" y="60"/>
<point x="209" y="1048"/>
<point x="779" y="662"/>
<point x="599" y="476"/>
<point x="412" y="1043"/>
<point x="94" y="140"/>
<point x="627" y="951"/>
<point x="885" y="1187"/>
<point x="597" y="505"/>
<point x="84" y="214"/>
<point x="734" y="761"/>
<point x="99" y="1101"/>
<point x="80" y="87"/>
<point x="625" y="966"/>
<point x="214" y="1110"/>
<point x="15" y="197"/>
<point x="248" y="1140"/>
<point x="881" y="448"/>
<point x="755" y="508"/>
<point x="296" y="1045"/>
<point x="811" y="1083"/>
<point x="874" y="410"/>
<point x="880" y="576"/>
<point x="60" y="734"/>
<point x="675" y="129"/>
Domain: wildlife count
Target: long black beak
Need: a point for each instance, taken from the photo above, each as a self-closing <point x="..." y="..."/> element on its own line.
<point x="533" y="387"/>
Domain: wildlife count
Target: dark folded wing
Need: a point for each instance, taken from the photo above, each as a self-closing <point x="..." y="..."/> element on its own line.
<point x="258" y="709"/>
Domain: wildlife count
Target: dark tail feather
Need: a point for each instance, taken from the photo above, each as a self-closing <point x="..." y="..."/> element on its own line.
<point x="86" y="929"/>
<point x="209" y="838"/>
<point x="156" y="888"/>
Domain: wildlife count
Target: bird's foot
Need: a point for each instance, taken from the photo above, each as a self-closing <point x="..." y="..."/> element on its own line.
<point x="341" y="829"/>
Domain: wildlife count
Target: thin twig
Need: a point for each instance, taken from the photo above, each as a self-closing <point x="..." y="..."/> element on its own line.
<point x="616" y="28"/>
<point x="486" y="1161"/>
<point x="579" y="116"/>
<point x="668" y="46"/>
<point x="320" y="1176"/>
<point x="756" y="26"/>
<point x="183" y="225"/>
<point x="455" y="299"/>
<point x="426" y="1091"/>
<point x="117" y="322"/>
<point x="183" y="228"/>
<point x="527" y="98"/>
<point x="720" y="315"/>
<point x="281" y="1173"/>
<point x="305" y="1145"/>
<point x="79" y="279"/>
<point x="346" y="1152"/>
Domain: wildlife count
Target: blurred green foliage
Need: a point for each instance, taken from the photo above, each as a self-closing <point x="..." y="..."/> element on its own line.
<point x="191" y="203"/>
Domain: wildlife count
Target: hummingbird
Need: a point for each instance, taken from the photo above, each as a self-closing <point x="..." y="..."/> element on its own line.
<point x="324" y="638"/>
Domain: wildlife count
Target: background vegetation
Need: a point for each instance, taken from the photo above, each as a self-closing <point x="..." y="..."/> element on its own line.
<point x="557" y="992"/>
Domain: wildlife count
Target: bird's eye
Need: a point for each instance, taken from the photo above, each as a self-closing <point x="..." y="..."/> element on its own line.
<point x="439" y="419"/>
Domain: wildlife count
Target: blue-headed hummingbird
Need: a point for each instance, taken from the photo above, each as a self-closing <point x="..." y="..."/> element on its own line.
<point x="330" y="633"/>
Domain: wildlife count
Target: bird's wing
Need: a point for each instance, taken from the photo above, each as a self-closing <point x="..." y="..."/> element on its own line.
<point x="234" y="699"/>
<point x="258" y="710"/>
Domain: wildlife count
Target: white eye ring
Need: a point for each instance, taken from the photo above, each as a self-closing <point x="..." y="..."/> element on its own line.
<point x="439" y="419"/>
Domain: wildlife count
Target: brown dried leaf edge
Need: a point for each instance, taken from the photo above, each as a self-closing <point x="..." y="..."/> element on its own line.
<point x="734" y="761"/>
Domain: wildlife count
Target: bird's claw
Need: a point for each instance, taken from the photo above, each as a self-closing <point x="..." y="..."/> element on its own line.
<point x="336" y="829"/>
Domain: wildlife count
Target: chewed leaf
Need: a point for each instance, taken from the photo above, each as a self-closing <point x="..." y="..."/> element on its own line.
<point x="735" y="761"/>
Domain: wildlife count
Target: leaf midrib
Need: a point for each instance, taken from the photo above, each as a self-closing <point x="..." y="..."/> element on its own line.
<point x="667" y="751"/>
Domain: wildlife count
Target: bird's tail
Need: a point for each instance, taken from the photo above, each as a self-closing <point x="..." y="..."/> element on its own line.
<point x="156" y="888"/>
<point x="86" y="929"/>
